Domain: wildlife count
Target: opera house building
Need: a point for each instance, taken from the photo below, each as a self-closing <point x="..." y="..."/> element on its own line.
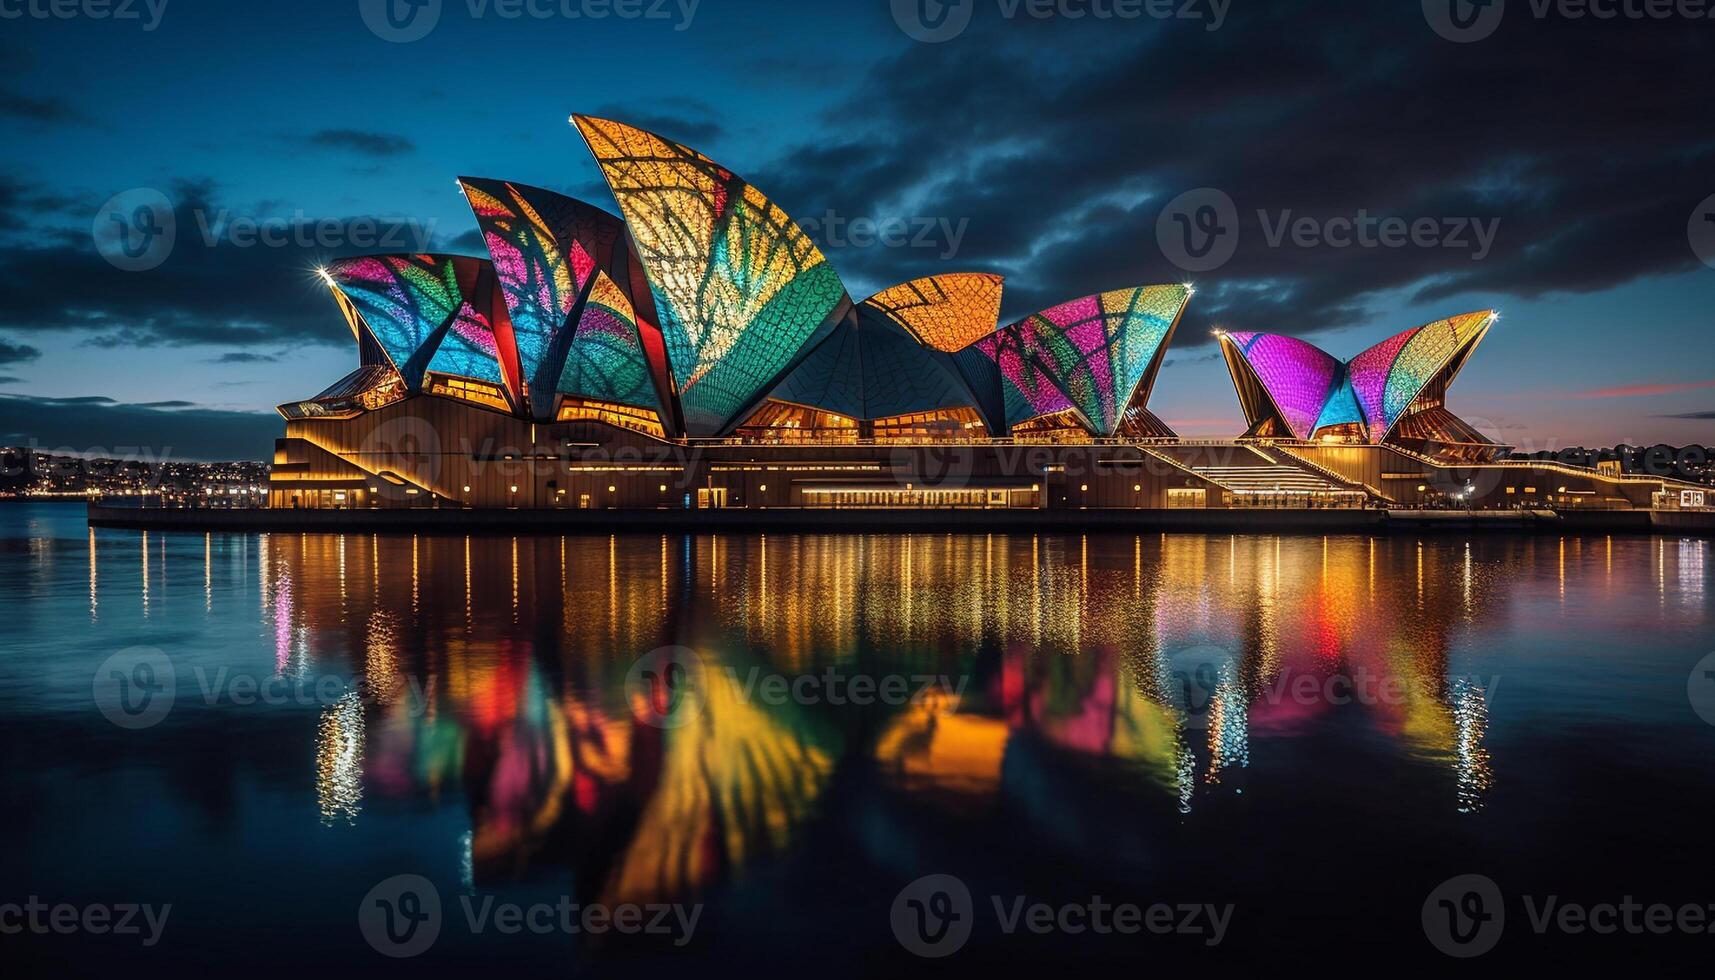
<point x="699" y="351"/>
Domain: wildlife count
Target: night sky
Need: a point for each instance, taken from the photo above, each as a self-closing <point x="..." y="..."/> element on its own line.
<point x="1043" y="148"/>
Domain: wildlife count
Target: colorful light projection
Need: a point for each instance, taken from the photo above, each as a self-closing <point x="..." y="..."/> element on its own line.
<point x="1027" y="391"/>
<point x="1342" y="407"/>
<point x="1091" y="355"/>
<point x="1374" y="389"/>
<point x="1297" y="375"/>
<point x="546" y="249"/>
<point x="606" y="361"/>
<point x="947" y="312"/>
<point x="1430" y="349"/>
<point x="742" y="292"/>
<point x="1100" y="348"/>
<point x="426" y="312"/>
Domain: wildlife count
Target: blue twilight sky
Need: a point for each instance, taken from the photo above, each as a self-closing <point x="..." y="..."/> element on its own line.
<point x="1042" y="141"/>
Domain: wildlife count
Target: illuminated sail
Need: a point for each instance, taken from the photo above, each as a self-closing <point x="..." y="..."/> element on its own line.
<point x="426" y="312"/>
<point x="606" y="361"/>
<point x="946" y="312"/>
<point x="742" y="292"/>
<point x="1311" y="390"/>
<point x="1091" y="355"/>
<point x="546" y="249"/>
<point x="1298" y="376"/>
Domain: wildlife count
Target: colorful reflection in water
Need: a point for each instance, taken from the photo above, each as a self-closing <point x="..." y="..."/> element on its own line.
<point x="1160" y="659"/>
<point x="1144" y="713"/>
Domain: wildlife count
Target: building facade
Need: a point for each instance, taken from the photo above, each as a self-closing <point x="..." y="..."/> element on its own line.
<point x="699" y="351"/>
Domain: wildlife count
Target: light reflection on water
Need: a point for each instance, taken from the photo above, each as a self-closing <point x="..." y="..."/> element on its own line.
<point x="1075" y="691"/>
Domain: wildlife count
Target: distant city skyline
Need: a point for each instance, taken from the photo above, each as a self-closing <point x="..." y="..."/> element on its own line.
<point x="1054" y="151"/>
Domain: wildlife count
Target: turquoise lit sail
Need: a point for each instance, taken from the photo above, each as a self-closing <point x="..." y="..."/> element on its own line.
<point x="742" y="292"/>
<point x="606" y="361"/>
<point x="1388" y="377"/>
<point x="1091" y="355"/>
<point x="545" y="247"/>
<point x="419" y="311"/>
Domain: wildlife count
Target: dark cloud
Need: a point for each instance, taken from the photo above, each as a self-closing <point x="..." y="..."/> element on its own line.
<point x="1192" y="358"/>
<point x="10" y="380"/>
<point x="161" y="430"/>
<point x="51" y="110"/>
<point x="468" y="242"/>
<point x="11" y="353"/>
<point x="682" y="120"/>
<point x="62" y="402"/>
<point x="362" y="141"/>
<point x="212" y="289"/>
<point x="22" y="203"/>
<point x="1061" y="142"/>
<point x="1689" y="415"/>
<point x="244" y="357"/>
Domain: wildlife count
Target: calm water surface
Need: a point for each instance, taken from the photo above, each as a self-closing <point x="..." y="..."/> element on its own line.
<point x="1316" y="730"/>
